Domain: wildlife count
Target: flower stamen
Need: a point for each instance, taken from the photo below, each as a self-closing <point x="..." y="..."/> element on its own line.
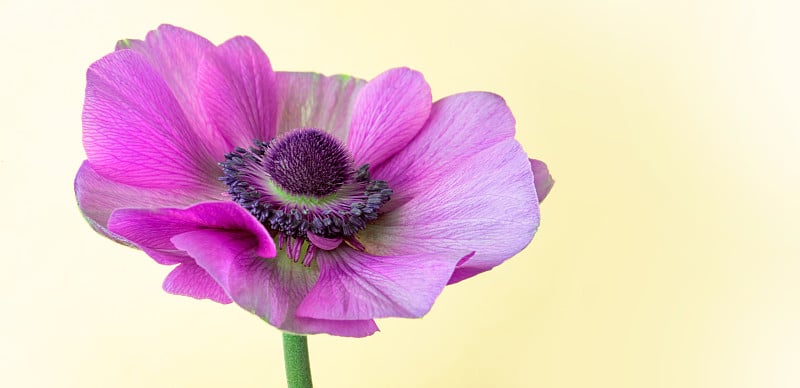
<point x="304" y="188"/>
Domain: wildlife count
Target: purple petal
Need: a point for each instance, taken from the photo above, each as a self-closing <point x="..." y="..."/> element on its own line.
<point x="151" y="229"/>
<point x="237" y="90"/>
<point x="355" y="285"/>
<point x="269" y="288"/>
<point x="462" y="273"/>
<point x="134" y="131"/>
<point x="189" y="279"/>
<point x="388" y="113"/>
<point x="98" y="197"/>
<point x="541" y="178"/>
<point x="486" y="204"/>
<point x="459" y="127"/>
<point x="312" y="100"/>
<point x="324" y="242"/>
<point x="175" y="55"/>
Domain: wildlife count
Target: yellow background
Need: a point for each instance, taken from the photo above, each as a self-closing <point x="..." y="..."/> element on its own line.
<point x="667" y="254"/>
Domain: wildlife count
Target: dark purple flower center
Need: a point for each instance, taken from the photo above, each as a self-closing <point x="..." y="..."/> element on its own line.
<point x="308" y="162"/>
<point x="303" y="188"/>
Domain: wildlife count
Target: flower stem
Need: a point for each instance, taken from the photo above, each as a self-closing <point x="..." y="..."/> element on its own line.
<point x="295" y="356"/>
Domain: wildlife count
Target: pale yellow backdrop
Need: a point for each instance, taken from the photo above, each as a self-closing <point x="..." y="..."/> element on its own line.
<point x="668" y="250"/>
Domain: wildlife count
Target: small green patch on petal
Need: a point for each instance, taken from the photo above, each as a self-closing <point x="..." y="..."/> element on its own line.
<point x="124" y="43"/>
<point x="303" y="200"/>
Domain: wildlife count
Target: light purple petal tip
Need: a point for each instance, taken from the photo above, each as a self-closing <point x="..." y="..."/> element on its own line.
<point x="355" y="285"/>
<point x="541" y="178"/>
<point x="389" y="111"/>
<point x="189" y="279"/>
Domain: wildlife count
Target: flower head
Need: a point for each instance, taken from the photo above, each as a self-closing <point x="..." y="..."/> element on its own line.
<point x="317" y="203"/>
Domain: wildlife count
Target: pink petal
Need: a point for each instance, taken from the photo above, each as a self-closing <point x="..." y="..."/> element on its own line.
<point x="189" y="279"/>
<point x="151" y="229"/>
<point x="237" y="90"/>
<point x="355" y="285"/>
<point x="459" y="127"/>
<point x="312" y="100"/>
<point x="98" y="197"/>
<point x="135" y="132"/>
<point x="175" y="55"/>
<point x="541" y="178"/>
<point x="269" y="288"/>
<point x="486" y="204"/>
<point x="324" y="242"/>
<point x="388" y="113"/>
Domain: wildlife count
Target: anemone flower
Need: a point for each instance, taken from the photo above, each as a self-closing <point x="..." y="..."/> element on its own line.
<point x="318" y="203"/>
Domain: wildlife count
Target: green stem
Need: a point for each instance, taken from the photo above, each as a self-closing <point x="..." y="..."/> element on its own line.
<point x="295" y="356"/>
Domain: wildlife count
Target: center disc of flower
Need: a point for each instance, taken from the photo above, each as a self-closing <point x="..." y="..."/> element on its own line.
<point x="303" y="188"/>
<point x="308" y="162"/>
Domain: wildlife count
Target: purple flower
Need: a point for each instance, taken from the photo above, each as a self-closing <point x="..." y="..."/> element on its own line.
<point x="317" y="203"/>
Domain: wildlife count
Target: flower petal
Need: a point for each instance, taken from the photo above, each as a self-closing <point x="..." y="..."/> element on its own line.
<point x="541" y="178"/>
<point x="312" y="100"/>
<point x="151" y="229"/>
<point x="388" y="113"/>
<point x="324" y="242"/>
<point x="269" y="288"/>
<point x="356" y="285"/>
<point x="459" y="127"/>
<point x="237" y="90"/>
<point x="134" y="130"/>
<point x="189" y="279"/>
<point x="486" y="204"/>
<point x="98" y="197"/>
<point x="175" y="55"/>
